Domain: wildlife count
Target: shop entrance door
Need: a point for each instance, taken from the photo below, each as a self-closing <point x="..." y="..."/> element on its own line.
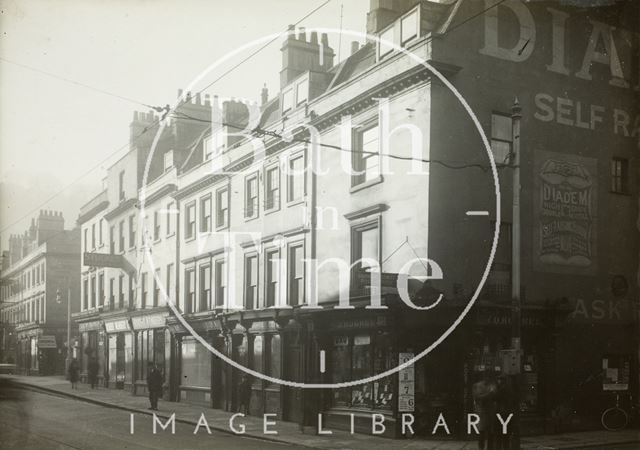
<point x="292" y="396"/>
<point x="120" y="361"/>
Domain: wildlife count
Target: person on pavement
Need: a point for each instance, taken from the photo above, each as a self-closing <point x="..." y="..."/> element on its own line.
<point x="484" y="397"/>
<point x="92" y="370"/>
<point x="154" y="386"/>
<point x="74" y="373"/>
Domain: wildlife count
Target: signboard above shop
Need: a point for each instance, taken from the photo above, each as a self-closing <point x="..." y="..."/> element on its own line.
<point x="47" y="342"/>
<point x="107" y="260"/>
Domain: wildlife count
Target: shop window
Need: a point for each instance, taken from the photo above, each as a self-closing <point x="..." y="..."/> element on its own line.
<point x="272" y="189"/>
<point x="205" y="287"/>
<point x="221" y="283"/>
<point x="366" y="154"/>
<point x="251" y="197"/>
<point x="251" y="282"/>
<point x="274" y="356"/>
<point x="296" y="275"/>
<point x="501" y="138"/>
<point x="190" y="290"/>
<point x="196" y="364"/>
<point x="296" y="178"/>
<point x="619" y="176"/>
<point x="190" y="221"/>
<point x="358" y="356"/>
<point x="222" y="208"/>
<point x="150" y="350"/>
<point x="205" y="214"/>
<point x="258" y="350"/>
<point x="272" y="269"/>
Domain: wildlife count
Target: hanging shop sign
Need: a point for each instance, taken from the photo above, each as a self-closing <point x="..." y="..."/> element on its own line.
<point x="565" y="204"/>
<point x="406" y="384"/>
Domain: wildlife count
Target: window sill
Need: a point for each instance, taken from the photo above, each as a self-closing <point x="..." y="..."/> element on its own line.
<point x="295" y="202"/>
<point x="271" y="210"/>
<point x="366" y="184"/>
<point x="190" y="238"/>
<point x="156" y="240"/>
<point x="170" y="235"/>
<point x="624" y="194"/>
<point x="249" y="219"/>
<point x="222" y="227"/>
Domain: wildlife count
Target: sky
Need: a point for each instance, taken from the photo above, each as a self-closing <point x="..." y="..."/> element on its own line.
<point x="57" y="137"/>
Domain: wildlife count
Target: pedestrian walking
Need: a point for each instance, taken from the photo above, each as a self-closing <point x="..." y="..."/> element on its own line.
<point x="154" y="386"/>
<point x="245" y="394"/>
<point x="74" y="373"/>
<point x="93" y="370"/>
<point x="484" y="397"/>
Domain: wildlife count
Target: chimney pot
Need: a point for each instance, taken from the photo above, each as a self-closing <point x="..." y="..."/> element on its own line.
<point x="355" y="46"/>
<point x="291" y="30"/>
<point x="207" y="100"/>
<point x="135" y="118"/>
<point x="325" y="40"/>
<point x="264" y="95"/>
<point x="314" y="37"/>
<point x="180" y="92"/>
<point x="302" y="34"/>
<point x="198" y="99"/>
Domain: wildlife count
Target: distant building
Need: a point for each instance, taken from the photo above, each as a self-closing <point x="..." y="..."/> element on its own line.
<point x="40" y="271"/>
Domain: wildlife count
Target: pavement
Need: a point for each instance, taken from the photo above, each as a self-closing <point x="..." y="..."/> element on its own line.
<point x="291" y="434"/>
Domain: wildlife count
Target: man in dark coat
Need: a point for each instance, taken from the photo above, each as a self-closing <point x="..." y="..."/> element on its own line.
<point x="93" y="369"/>
<point x="245" y="394"/>
<point x="74" y="373"/>
<point x="154" y="386"/>
<point x="484" y="398"/>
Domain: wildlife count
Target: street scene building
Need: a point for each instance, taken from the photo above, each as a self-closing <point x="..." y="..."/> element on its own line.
<point x="462" y="200"/>
<point x="39" y="289"/>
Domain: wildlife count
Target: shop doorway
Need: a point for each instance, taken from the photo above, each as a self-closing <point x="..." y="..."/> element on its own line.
<point x="120" y="361"/>
<point x="292" y="396"/>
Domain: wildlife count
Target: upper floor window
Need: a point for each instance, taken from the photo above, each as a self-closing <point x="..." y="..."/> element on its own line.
<point x="86" y="239"/>
<point x="121" y="185"/>
<point x="272" y="277"/>
<point x="120" y="291"/>
<point x="272" y="188"/>
<point x="366" y="154"/>
<point x="143" y="290"/>
<point x="365" y="247"/>
<point x="251" y="197"/>
<point x="295" y="178"/>
<point x="620" y="176"/>
<point x="112" y="240"/>
<point x="287" y="100"/>
<point x="156" y="225"/>
<point x="221" y="282"/>
<point x="205" y="287"/>
<point x="190" y="220"/>
<point x="132" y="231"/>
<point x="302" y="91"/>
<point x="251" y="282"/>
<point x="121" y="230"/>
<point x="205" y="214"/>
<point x="168" y="160"/>
<point x="170" y="213"/>
<point x="156" y="288"/>
<point x="386" y="38"/>
<point x="501" y="138"/>
<point x="93" y="235"/>
<point x="409" y="27"/>
<point x="296" y="274"/>
<point x="222" y="208"/>
<point x="170" y="284"/>
<point x="100" y="236"/>
<point x="207" y="148"/>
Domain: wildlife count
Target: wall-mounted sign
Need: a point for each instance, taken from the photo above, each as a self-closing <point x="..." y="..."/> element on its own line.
<point x="116" y="326"/>
<point x="615" y="372"/>
<point x="406" y="384"/>
<point x="564" y="213"/>
<point x="47" y="342"/>
<point x="148" y="321"/>
<point x="107" y="260"/>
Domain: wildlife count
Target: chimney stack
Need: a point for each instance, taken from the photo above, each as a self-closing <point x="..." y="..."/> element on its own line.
<point x="264" y="95"/>
<point x="300" y="55"/>
<point x="355" y="46"/>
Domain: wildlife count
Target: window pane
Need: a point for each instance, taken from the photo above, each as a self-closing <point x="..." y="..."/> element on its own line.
<point x="386" y="36"/>
<point x="361" y="368"/>
<point x="302" y="91"/>
<point x="369" y="242"/>
<point x="287" y="100"/>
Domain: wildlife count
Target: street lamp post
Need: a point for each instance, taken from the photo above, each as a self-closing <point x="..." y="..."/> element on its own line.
<point x="59" y="301"/>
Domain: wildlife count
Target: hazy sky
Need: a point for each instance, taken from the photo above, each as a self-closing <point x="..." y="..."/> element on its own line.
<point x="52" y="132"/>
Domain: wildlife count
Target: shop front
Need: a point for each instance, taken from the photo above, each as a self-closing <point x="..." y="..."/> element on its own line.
<point x="120" y="354"/>
<point x="92" y="345"/>
<point x="151" y="343"/>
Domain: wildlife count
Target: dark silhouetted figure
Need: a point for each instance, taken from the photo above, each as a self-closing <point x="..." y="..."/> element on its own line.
<point x="484" y="396"/>
<point x="74" y="373"/>
<point x="154" y="386"/>
<point x="93" y="370"/>
<point x="245" y="394"/>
